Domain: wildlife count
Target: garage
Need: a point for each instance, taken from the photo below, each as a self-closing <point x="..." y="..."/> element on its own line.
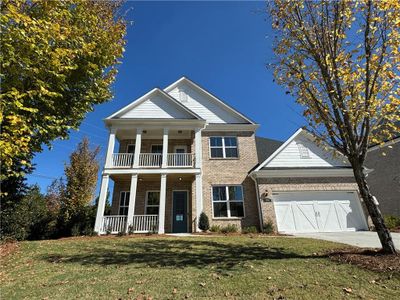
<point x="318" y="211"/>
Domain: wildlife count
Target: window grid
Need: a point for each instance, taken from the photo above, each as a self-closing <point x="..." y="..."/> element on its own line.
<point x="124" y="203"/>
<point x="152" y="206"/>
<point x="227" y="200"/>
<point x="223" y="147"/>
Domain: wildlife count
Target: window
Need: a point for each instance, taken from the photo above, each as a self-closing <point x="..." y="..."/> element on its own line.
<point x="223" y="147"/>
<point x="304" y="153"/>
<point x="228" y="201"/>
<point x="123" y="203"/>
<point x="152" y="202"/>
<point x="130" y="148"/>
<point x="156" y="149"/>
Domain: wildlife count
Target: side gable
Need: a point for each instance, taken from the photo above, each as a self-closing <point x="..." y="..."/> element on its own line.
<point x="301" y="151"/>
<point x="203" y="103"/>
<point x="156" y="104"/>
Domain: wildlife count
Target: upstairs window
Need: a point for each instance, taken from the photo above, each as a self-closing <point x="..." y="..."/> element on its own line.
<point x="123" y="203"/>
<point x="223" y="147"/>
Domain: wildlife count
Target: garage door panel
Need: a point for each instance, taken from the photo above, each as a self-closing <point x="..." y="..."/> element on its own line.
<point x="319" y="211"/>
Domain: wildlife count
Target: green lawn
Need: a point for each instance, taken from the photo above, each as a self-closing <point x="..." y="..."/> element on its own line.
<point x="237" y="267"/>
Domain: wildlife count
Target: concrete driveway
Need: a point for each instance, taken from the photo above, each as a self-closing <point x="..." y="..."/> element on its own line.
<point x="365" y="239"/>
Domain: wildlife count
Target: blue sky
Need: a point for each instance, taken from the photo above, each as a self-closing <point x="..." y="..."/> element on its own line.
<point x="223" y="46"/>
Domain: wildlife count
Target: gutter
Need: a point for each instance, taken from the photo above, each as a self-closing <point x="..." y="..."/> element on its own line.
<point x="260" y="215"/>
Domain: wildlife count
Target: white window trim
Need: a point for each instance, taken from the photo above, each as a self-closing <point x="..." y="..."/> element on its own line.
<point x="147" y="198"/>
<point x="223" y="147"/>
<point x="304" y="151"/>
<point x="119" y="202"/>
<point x="227" y="201"/>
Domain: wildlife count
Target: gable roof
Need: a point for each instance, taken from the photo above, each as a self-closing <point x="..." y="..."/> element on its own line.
<point x="211" y="97"/>
<point x="176" y="106"/>
<point x="265" y="147"/>
<point x="297" y="134"/>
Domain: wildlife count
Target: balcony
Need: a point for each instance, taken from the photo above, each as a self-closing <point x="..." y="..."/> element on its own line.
<point x="153" y="160"/>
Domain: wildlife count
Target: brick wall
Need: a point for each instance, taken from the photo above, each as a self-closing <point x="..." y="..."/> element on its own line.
<point x="231" y="171"/>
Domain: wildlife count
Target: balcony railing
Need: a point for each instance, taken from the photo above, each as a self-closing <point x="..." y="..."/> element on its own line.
<point x="140" y="224"/>
<point x="153" y="160"/>
<point x="122" y="159"/>
<point x="180" y="159"/>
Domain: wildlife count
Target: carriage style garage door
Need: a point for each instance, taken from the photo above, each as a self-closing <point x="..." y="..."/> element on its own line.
<point x="319" y="211"/>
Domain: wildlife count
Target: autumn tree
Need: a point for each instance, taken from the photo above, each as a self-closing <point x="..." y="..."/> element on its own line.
<point x="58" y="59"/>
<point x="81" y="177"/>
<point x="340" y="59"/>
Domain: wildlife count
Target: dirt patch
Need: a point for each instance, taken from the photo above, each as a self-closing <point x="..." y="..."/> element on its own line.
<point x="370" y="259"/>
<point x="8" y="248"/>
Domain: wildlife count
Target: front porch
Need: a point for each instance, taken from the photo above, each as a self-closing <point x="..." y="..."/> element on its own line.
<point x="144" y="203"/>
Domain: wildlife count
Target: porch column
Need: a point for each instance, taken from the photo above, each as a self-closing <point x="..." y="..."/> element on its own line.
<point x="161" y="213"/>
<point x="138" y="145"/>
<point x="102" y="203"/>
<point x="197" y="148"/>
<point x="132" y="200"/>
<point x="165" y="149"/>
<point x="199" y="199"/>
<point x="110" y="148"/>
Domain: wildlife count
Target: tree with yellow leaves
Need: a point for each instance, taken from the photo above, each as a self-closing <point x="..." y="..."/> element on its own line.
<point x="58" y="59"/>
<point x="341" y="61"/>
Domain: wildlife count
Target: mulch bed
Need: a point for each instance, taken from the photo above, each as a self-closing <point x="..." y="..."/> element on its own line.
<point x="371" y="259"/>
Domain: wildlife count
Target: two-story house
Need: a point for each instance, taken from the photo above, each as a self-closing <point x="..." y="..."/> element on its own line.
<point x="179" y="151"/>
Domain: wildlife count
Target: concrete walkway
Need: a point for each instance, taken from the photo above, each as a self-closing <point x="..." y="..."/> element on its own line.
<point x="365" y="239"/>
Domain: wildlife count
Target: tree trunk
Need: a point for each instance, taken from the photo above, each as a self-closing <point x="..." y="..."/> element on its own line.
<point x="373" y="210"/>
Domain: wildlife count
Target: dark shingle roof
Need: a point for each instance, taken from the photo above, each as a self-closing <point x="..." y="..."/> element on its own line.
<point x="265" y="147"/>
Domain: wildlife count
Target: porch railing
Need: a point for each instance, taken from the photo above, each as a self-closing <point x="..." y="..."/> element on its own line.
<point x="122" y="159"/>
<point x="145" y="223"/>
<point x="150" y="159"/>
<point x="180" y="159"/>
<point x="113" y="224"/>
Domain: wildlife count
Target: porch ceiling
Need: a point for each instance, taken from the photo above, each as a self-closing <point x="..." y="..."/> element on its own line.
<point x="153" y="177"/>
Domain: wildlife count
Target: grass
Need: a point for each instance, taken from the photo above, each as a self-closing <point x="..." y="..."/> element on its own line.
<point x="237" y="267"/>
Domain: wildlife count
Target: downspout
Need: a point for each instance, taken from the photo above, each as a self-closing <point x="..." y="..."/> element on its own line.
<point x="260" y="215"/>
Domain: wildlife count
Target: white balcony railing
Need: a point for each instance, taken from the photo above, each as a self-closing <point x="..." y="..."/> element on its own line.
<point x="122" y="159"/>
<point x="180" y="159"/>
<point x="113" y="224"/>
<point x="150" y="159"/>
<point x="144" y="223"/>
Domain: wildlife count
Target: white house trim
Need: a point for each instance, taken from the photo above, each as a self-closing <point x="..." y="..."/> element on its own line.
<point x="304" y="172"/>
<point x="211" y="96"/>
<point x="152" y="171"/>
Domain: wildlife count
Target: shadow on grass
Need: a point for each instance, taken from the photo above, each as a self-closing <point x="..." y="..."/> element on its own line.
<point x="177" y="254"/>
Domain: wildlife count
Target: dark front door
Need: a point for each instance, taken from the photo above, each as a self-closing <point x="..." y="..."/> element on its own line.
<point x="179" y="214"/>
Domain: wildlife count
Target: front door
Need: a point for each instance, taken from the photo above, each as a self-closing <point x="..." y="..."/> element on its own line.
<point x="179" y="211"/>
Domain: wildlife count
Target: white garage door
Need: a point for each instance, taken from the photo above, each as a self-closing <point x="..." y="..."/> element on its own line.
<point x="318" y="212"/>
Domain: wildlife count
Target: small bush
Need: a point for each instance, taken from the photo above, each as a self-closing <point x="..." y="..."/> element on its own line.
<point x="250" y="229"/>
<point x="231" y="228"/>
<point x="215" y="228"/>
<point x="268" y="227"/>
<point x="75" y="230"/>
<point x="204" y="224"/>
<point x="121" y="233"/>
<point x="392" y="222"/>
<point x="109" y="230"/>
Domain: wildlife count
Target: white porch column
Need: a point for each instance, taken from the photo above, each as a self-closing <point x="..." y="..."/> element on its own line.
<point x="138" y="145"/>
<point x="110" y="148"/>
<point x="102" y="203"/>
<point x="161" y="213"/>
<point x="132" y="200"/>
<point x="198" y="148"/>
<point x="199" y="199"/>
<point x="165" y="149"/>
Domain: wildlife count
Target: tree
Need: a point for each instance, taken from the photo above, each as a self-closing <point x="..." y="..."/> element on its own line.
<point x="81" y="179"/>
<point x="340" y="59"/>
<point x="58" y="59"/>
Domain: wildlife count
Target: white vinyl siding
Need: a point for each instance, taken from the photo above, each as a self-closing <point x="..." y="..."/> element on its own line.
<point x="291" y="156"/>
<point x="157" y="107"/>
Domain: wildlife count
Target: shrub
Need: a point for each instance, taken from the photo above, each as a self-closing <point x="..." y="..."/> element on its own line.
<point x="392" y="222"/>
<point x="268" y="227"/>
<point x="75" y="230"/>
<point x="130" y="229"/>
<point x="250" y="229"/>
<point x="109" y="230"/>
<point x="204" y="224"/>
<point x="215" y="228"/>
<point x="121" y="233"/>
<point x="230" y="228"/>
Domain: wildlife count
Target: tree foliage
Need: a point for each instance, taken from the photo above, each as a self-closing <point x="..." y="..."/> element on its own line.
<point x="340" y="59"/>
<point x="58" y="60"/>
